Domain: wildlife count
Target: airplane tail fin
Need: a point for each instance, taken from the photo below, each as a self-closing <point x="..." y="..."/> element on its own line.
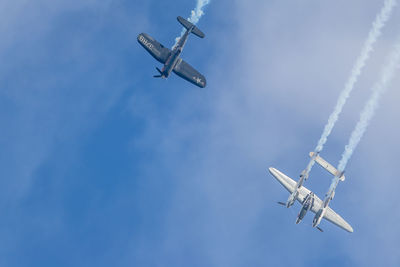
<point x="189" y="26"/>
<point x="324" y="164"/>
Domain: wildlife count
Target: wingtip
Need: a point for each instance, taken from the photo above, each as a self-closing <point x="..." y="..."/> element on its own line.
<point x="347" y="227"/>
<point x="203" y="84"/>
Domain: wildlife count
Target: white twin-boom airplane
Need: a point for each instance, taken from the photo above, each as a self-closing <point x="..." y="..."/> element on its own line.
<point x="308" y="199"/>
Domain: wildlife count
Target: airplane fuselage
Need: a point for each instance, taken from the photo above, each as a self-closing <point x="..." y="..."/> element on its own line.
<point x="307" y="205"/>
<point x="175" y="54"/>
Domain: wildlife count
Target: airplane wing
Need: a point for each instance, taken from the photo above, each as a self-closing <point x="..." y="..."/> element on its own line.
<point x="157" y="50"/>
<point x="187" y="72"/>
<point x="290" y="186"/>
<point x="336" y="219"/>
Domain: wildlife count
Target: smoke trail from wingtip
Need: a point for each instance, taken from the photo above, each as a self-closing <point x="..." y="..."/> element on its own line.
<point x="369" y="110"/>
<point x="367" y="48"/>
<point x="370" y="107"/>
<point x="195" y="15"/>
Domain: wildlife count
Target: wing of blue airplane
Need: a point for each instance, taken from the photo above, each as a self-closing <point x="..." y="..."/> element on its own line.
<point x="187" y="72"/>
<point x="157" y="50"/>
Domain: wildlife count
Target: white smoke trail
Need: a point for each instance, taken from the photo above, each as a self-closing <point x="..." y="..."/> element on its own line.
<point x="198" y="12"/>
<point x="195" y="16"/>
<point x="373" y="35"/>
<point x="371" y="105"/>
<point x="369" y="109"/>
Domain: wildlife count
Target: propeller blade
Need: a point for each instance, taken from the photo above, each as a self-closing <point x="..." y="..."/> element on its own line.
<point x="281" y="203"/>
<point x="157" y="76"/>
<point x="320" y="229"/>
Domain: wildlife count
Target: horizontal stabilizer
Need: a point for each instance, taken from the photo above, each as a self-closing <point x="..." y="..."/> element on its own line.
<point x="188" y="25"/>
<point x="324" y="164"/>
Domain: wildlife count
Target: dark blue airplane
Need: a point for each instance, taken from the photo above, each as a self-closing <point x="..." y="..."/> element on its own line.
<point x="171" y="59"/>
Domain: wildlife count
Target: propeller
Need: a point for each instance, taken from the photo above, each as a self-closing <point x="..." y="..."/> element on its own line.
<point x="281" y="203"/>
<point x="157" y="76"/>
<point x="320" y="229"/>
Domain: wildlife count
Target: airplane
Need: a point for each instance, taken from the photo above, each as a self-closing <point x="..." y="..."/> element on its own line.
<point x="171" y="58"/>
<point x="310" y="201"/>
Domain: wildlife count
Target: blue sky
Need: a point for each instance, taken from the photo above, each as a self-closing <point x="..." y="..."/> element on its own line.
<point x="102" y="165"/>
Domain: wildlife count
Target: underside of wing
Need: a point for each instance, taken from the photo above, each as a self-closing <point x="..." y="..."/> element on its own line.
<point x="289" y="184"/>
<point x="336" y="219"/>
<point x="187" y="72"/>
<point x="157" y="50"/>
<point x="283" y="179"/>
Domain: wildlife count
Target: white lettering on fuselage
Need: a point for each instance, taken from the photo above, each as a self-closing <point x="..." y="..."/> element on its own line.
<point x="145" y="42"/>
